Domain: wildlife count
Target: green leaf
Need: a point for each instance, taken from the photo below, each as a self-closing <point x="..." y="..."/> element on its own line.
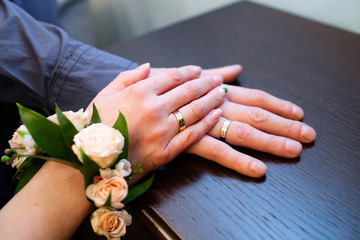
<point x="121" y="126"/>
<point x="89" y="170"/>
<point x="95" y="118"/>
<point x="67" y="128"/>
<point x="28" y="173"/>
<point x="22" y="133"/>
<point x="45" y="133"/>
<point x="108" y="201"/>
<point x="137" y="169"/>
<point x="139" y="189"/>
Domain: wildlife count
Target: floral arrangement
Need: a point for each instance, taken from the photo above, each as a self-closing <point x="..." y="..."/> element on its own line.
<point x="97" y="150"/>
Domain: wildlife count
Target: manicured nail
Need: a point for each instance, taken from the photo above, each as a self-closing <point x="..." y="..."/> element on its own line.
<point x="236" y="66"/>
<point x="293" y="147"/>
<point x="308" y="134"/>
<point x="219" y="109"/>
<point x="145" y="65"/>
<point x="196" y="69"/>
<point x="218" y="79"/>
<point x="217" y="113"/>
<point x="223" y="90"/>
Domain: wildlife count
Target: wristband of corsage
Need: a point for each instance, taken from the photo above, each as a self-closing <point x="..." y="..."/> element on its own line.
<point x="97" y="150"/>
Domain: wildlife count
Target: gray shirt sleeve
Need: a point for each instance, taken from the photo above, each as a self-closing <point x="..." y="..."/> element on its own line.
<point x="40" y="65"/>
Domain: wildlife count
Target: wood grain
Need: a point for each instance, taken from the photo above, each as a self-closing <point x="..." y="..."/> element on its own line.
<point x="315" y="196"/>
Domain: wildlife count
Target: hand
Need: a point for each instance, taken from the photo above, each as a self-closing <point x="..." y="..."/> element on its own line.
<point x="259" y="121"/>
<point x="229" y="73"/>
<point x="148" y="107"/>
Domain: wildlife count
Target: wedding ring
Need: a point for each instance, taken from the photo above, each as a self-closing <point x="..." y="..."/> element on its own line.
<point x="224" y="129"/>
<point x="180" y="120"/>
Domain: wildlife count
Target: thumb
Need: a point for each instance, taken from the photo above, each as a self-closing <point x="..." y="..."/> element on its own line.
<point x="123" y="80"/>
<point x="229" y="73"/>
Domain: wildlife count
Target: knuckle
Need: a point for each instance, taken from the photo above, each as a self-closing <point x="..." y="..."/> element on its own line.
<point x="150" y="110"/>
<point x="198" y="109"/>
<point x="137" y="91"/>
<point x="258" y="115"/>
<point x="192" y="90"/>
<point x="245" y="165"/>
<point x="288" y="107"/>
<point x="122" y="74"/>
<point x="219" y="150"/>
<point x="259" y="96"/>
<point x="275" y="143"/>
<point x="191" y="137"/>
<point x="242" y="131"/>
<point x="158" y="133"/>
<point x="175" y="74"/>
<point x="294" y="127"/>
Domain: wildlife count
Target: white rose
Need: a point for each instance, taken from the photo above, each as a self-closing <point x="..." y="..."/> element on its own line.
<point x="79" y="119"/>
<point x="100" y="143"/>
<point x="110" y="223"/>
<point x="124" y="167"/>
<point x="99" y="192"/>
<point x="23" y="143"/>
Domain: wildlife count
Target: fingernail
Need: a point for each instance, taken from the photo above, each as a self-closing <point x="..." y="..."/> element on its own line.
<point x="196" y="69"/>
<point x="258" y="168"/>
<point x="308" y="134"/>
<point x="297" y="111"/>
<point x="219" y="109"/>
<point x="236" y="66"/>
<point x="293" y="147"/>
<point x="223" y="90"/>
<point x="145" y="65"/>
<point x="218" y="79"/>
<point x="217" y="113"/>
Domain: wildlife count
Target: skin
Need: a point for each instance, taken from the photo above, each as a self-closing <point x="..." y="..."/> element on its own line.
<point x="260" y="121"/>
<point x="153" y="129"/>
<point x="56" y="197"/>
<point x="53" y="203"/>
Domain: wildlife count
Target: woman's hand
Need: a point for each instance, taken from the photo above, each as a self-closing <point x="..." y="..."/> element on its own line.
<point x="260" y="121"/>
<point x="148" y="107"/>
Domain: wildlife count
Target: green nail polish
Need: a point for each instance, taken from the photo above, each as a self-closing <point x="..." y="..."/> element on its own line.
<point x="225" y="89"/>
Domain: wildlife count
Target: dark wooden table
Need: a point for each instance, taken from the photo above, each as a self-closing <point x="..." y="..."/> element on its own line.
<point x="316" y="196"/>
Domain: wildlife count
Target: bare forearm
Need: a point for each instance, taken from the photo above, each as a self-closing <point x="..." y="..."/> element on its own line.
<point x="50" y="206"/>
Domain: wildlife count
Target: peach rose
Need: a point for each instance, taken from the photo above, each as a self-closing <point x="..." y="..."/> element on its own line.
<point x="99" y="192"/>
<point x="110" y="223"/>
<point x="100" y="143"/>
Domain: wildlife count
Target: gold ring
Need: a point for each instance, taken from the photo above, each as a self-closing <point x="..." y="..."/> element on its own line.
<point x="224" y="129"/>
<point x="180" y="120"/>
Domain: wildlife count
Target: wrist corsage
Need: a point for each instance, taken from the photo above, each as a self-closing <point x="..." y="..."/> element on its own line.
<point x="97" y="150"/>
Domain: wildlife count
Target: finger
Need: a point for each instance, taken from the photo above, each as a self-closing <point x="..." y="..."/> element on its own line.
<point x="127" y="78"/>
<point x="198" y="109"/>
<point x="242" y="134"/>
<point x="258" y="98"/>
<point x="170" y="78"/>
<point x="220" y="152"/>
<point x="155" y="71"/>
<point x="190" y="91"/>
<point x="192" y="134"/>
<point x="269" y="122"/>
<point x="229" y="73"/>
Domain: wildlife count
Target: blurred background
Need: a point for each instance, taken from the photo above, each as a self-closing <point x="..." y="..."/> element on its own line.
<point x="106" y="22"/>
